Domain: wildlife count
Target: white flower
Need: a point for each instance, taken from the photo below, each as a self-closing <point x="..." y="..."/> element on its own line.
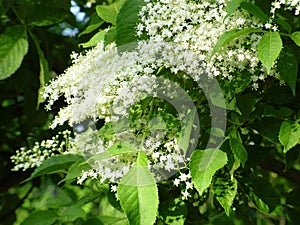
<point x="114" y="188"/>
<point x="176" y="182"/>
<point x="29" y="158"/>
<point x="292" y="5"/>
<point x="183" y="177"/>
<point x="189" y="185"/>
<point x="185" y="195"/>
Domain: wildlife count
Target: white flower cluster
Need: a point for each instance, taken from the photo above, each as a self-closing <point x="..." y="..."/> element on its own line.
<point x="29" y="158"/>
<point x="170" y="159"/>
<point x="165" y="157"/>
<point x="110" y="169"/>
<point x="197" y="25"/>
<point x="104" y="84"/>
<point x="184" y="181"/>
<point x="105" y="172"/>
<point x="292" y="5"/>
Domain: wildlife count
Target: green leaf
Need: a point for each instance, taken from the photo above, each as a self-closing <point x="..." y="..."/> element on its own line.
<point x="263" y="194"/>
<point x="296" y="37"/>
<point x="72" y="213"/>
<point x="127" y="21"/>
<point x="45" y="217"/>
<point x="55" y="164"/>
<point x="258" y="202"/>
<point x="94" y="40"/>
<point x="246" y="103"/>
<point x="94" y="24"/>
<point x="255" y="11"/>
<point x="268" y="128"/>
<point x="270" y="111"/>
<point x="215" y="95"/>
<point x="112" y="199"/>
<point x="110" y="36"/>
<point x="13" y="48"/>
<point x="109" y="220"/>
<point x="185" y="138"/>
<point x="225" y="191"/>
<point x="118" y="148"/>
<point x="268" y="49"/>
<point x="216" y="131"/>
<point x="283" y="22"/>
<point x="232" y="6"/>
<point x="232" y="163"/>
<point x="173" y="211"/>
<point x="95" y="221"/>
<point x="229" y="36"/>
<point x="289" y="134"/>
<point x="109" y="13"/>
<point x="111" y="128"/>
<point x="239" y="151"/>
<point x="293" y="197"/>
<point x="75" y="170"/>
<point x="44" y="69"/>
<point x="287" y="67"/>
<point x="138" y="193"/>
<point x="204" y="164"/>
<point x="61" y="199"/>
<point x="47" y="14"/>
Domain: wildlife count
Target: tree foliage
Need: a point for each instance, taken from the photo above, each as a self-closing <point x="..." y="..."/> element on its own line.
<point x="247" y="172"/>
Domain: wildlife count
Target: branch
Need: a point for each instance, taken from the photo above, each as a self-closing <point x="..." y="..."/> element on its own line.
<point x="278" y="167"/>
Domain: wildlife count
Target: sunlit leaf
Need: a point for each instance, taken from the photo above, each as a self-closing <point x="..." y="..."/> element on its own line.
<point x="296" y="37"/>
<point x="232" y="6"/>
<point x="138" y="193"/>
<point x="13" y="48"/>
<point x="289" y="134"/>
<point x="94" y="24"/>
<point x="110" y="12"/>
<point x="225" y="191"/>
<point x="229" y="36"/>
<point x="269" y="48"/>
<point x="94" y="40"/>
<point x="204" y="164"/>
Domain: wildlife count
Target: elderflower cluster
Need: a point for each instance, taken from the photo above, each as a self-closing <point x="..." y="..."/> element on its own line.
<point x="197" y="25"/>
<point x="163" y="155"/>
<point x="292" y="5"/>
<point x="184" y="181"/>
<point x="29" y="158"/>
<point x="104" y="84"/>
